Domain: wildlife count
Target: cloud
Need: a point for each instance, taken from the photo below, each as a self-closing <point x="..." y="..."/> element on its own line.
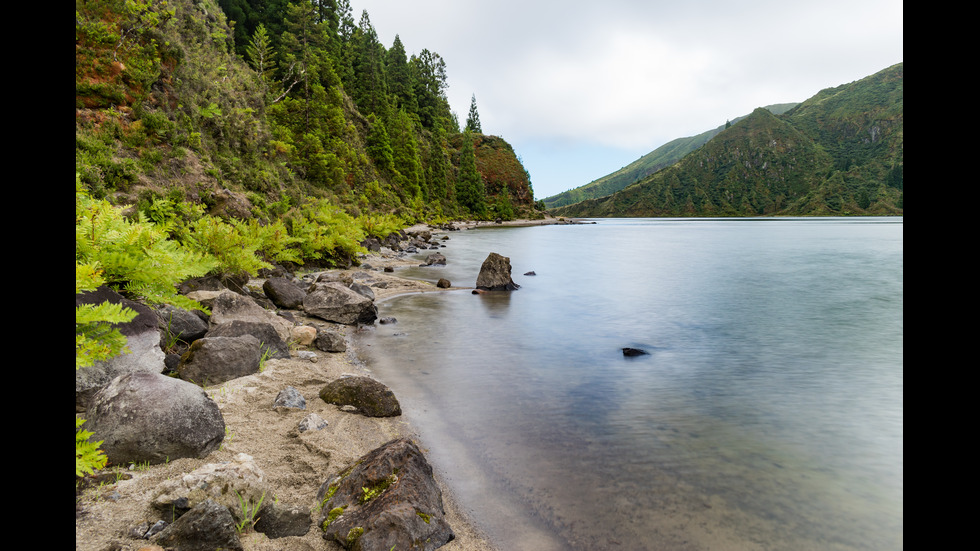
<point x="634" y="74"/>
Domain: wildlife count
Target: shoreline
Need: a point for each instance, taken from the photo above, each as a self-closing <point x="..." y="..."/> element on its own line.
<point x="294" y="464"/>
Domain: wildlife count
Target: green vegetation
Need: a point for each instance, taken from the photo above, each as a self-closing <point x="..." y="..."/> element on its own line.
<point x="838" y="153"/>
<point x="664" y="156"/>
<point x="282" y="103"/>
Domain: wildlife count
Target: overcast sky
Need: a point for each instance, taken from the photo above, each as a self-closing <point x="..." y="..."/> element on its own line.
<point x="581" y="89"/>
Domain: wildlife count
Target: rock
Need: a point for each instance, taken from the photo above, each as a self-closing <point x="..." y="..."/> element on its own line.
<point x="362" y="289"/>
<point x="303" y="335"/>
<point x="207" y="527"/>
<point x="630" y="352"/>
<point x="180" y="324"/>
<point x="531" y="273"/>
<point x="337" y="303"/>
<point x="389" y="500"/>
<point x="229" y="306"/>
<point x="443" y="283"/>
<point x="330" y="341"/>
<point x="284" y="293"/>
<point x="144" y="354"/>
<point x="214" y="360"/>
<point x="495" y="274"/>
<point x="149" y="417"/>
<point x="227" y="483"/>
<point x="312" y="422"/>
<point x="289" y="397"/>
<point x="387" y="320"/>
<point x="435" y="259"/>
<point x="277" y="520"/>
<point x="271" y="344"/>
<point x="370" y="397"/>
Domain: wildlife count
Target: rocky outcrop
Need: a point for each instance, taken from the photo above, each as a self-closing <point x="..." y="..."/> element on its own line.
<point x="149" y="417"/>
<point x="364" y="394"/>
<point x="388" y="500"/>
<point x="336" y="302"/>
<point x="495" y="274"/>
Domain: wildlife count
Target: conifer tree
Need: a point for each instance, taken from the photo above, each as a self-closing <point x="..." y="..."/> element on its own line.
<point x="261" y="56"/>
<point x="400" y="78"/>
<point x="371" y="89"/>
<point x="473" y="119"/>
<point x="470" y="192"/>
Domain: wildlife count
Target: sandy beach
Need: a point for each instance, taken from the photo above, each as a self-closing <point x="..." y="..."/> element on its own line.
<point x="295" y="464"/>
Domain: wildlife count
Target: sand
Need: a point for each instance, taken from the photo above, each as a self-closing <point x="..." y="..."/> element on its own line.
<point x="295" y="464"/>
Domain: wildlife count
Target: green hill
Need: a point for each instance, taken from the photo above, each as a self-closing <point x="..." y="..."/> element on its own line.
<point x="175" y="102"/>
<point x="663" y="156"/>
<point x="838" y="153"/>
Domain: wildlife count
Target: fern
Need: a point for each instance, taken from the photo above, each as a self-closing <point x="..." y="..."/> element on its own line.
<point x="88" y="456"/>
<point x="235" y="250"/>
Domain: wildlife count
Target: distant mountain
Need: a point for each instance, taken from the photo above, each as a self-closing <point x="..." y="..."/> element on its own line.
<point x="838" y="153"/>
<point x="663" y="156"/>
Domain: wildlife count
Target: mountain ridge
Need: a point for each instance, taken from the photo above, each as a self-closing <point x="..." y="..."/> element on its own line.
<point x="661" y="157"/>
<point x="838" y="153"/>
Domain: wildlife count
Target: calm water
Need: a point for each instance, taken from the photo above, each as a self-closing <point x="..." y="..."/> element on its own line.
<point x="768" y="414"/>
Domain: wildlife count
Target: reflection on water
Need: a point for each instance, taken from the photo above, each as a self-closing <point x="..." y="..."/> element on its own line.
<point x="768" y="414"/>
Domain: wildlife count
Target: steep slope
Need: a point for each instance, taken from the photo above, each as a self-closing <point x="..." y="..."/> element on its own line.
<point x="168" y="107"/>
<point x="838" y="153"/>
<point x="663" y="156"/>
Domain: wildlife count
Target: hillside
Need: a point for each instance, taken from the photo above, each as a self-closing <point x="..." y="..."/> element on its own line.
<point x="663" y="156"/>
<point x="176" y="104"/>
<point x="838" y="153"/>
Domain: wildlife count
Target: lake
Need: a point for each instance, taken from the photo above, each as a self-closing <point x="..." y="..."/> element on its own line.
<point x="766" y="415"/>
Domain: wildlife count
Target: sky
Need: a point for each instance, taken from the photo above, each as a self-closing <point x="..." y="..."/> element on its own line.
<point x="582" y="89"/>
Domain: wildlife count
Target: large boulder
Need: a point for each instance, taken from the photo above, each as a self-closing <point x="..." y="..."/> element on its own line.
<point x="333" y="301"/>
<point x="149" y="417"/>
<point x="214" y="360"/>
<point x="229" y="306"/>
<point x="284" y="293"/>
<point x="143" y="353"/>
<point x="273" y="346"/>
<point x="495" y="274"/>
<point x="368" y="396"/>
<point x="389" y="500"/>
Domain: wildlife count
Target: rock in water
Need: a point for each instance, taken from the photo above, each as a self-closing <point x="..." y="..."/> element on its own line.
<point x="495" y="274"/>
<point x="634" y="352"/>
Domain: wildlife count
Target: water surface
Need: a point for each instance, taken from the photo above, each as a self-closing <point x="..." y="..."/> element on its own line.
<point x="767" y="414"/>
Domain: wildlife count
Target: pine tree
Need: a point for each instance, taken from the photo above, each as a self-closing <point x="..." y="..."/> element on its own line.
<point x="473" y="119"/>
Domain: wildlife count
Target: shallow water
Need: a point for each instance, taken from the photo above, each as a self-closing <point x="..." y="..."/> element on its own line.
<point x="767" y="414"/>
